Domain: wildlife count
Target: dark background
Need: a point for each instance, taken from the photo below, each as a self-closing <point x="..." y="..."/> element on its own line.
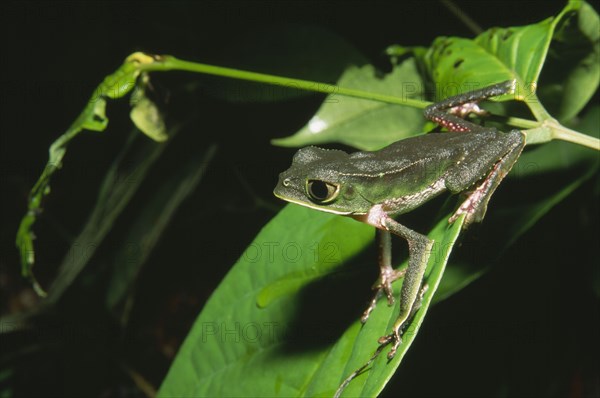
<point x="519" y="340"/>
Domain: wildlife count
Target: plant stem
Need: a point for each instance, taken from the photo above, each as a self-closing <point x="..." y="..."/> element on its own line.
<point x="171" y="63"/>
<point x="561" y="132"/>
<point x="521" y="123"/>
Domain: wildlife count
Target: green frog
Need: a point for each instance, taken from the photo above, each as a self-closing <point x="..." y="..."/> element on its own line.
<point x="374" y="187"/>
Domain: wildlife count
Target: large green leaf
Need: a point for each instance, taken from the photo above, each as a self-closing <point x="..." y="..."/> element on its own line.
<point x="498" y="54"/>
<point x="361" y="123"/>
<point x="236" y="339"/>
<point x="359" y="343"/>
<point x="266" y="345"/>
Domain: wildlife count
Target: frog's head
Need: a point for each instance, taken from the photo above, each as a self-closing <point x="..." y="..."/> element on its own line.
<point x="317" y="180"/>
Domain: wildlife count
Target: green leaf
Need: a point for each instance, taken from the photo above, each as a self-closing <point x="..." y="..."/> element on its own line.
<point x="247" y="342"/>
<point x="573" y="73"/>
<point x="358" y="343"/>
<point x="223" y="344"/>
<point x="458" y="65"/>
<point x="147" y="117"/>
<point x="361" y="123"/>
<point x="145" y="113"/>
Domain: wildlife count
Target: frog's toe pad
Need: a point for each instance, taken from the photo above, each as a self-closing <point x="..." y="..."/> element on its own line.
<point x="387" y="277"/>
<point x="393" y="338"/>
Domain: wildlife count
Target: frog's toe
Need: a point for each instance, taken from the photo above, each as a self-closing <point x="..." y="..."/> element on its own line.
<point x="371" y="307"/>
<point x="393" y="338"/>
<point x="385" y="282"/>
<point x="383" y="285"/>
<point x="386" y="287"/>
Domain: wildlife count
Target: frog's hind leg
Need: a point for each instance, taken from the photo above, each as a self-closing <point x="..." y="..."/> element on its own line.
<point x="387" y="274"/>
<point x="463" y="104"/>
<point x="475" y="205"/>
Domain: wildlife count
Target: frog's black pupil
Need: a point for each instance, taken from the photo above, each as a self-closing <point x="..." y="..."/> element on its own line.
<point x="318" y="190"/>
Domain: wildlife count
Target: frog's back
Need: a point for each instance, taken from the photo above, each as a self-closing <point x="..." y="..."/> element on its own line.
<point x="433" y="148"/>
<point x="434" y="144"/>
<point x="413" y="165"/>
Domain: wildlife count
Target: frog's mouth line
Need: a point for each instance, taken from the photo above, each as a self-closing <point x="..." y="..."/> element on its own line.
<point x="324" y="209"/>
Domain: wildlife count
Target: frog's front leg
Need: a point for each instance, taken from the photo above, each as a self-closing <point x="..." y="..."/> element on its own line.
<point x="419" y="251"/>
<point x="387" y="274"/>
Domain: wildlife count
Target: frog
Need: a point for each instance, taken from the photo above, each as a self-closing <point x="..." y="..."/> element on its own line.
<point x="375" y="187"/>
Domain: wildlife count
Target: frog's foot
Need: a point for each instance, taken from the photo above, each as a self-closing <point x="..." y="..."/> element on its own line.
<point x="394" y="339"/>
<point x="471" y="207"/>
<point x="465" y="110"/>
<point x="383" y="285"/>
<point x="475" y="205"/>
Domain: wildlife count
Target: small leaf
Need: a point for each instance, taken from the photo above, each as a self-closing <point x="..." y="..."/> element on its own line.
<point x="365" y="124"/>
<point x="147" y="117"/>
<point x="145" y="113"/>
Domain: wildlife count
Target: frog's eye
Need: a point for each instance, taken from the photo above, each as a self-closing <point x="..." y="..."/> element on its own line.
<point x="321" y="191"/>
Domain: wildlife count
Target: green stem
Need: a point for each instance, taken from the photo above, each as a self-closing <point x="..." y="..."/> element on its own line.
<point x="171" y="63"/>
<point x="521" y="123"/>
<point x="561" y="132"/>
